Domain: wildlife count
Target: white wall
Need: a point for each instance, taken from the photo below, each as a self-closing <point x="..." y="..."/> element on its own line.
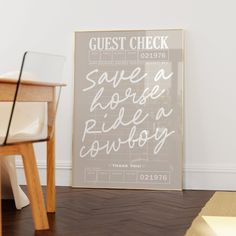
<point x="210" y="112"/>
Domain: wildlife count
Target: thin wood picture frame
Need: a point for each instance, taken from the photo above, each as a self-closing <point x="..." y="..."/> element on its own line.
<point x="128" y="109"/>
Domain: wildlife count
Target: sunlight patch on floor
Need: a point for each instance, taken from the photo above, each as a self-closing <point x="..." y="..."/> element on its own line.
<point x="217" y="218"/>
<point x="221" y="225"/>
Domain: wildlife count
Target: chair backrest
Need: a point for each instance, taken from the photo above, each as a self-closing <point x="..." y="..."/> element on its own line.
<point x="31" y="91"/>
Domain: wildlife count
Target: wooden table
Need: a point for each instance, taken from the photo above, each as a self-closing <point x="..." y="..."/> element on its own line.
<point x="32" y="91"/>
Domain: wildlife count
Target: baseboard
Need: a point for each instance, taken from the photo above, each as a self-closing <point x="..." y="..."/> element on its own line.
<point x="196" y="177"/>
<point x="210" y="177"/>
<point x="63" y="173"/>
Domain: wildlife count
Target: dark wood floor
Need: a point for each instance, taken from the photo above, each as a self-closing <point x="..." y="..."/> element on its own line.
<point x="88" y="212"/>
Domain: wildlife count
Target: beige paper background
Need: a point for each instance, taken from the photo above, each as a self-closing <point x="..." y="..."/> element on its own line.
<point x="136" y="167"/>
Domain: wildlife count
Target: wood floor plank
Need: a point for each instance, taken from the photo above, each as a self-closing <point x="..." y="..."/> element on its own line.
<point x="104" y="212"/>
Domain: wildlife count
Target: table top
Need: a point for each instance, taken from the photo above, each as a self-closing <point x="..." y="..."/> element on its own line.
<point x="30" y="82"/>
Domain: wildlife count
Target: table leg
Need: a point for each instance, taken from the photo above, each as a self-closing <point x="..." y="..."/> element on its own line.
<point x="51" y="189"/>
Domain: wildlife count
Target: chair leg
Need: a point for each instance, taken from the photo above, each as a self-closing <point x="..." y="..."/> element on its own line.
<point x="34" y="187"/>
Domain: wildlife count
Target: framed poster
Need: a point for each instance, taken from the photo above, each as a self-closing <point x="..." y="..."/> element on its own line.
<point x="128" y="109"/>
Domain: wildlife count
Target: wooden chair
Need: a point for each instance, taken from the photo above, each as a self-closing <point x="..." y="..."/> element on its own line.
<point x="24" y="121"/>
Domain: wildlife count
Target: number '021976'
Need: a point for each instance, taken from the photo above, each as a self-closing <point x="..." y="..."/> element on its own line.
<point x="157" y="177"/>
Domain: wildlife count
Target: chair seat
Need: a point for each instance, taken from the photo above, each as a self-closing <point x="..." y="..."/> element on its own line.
<point x="30" y="123"/>
<point x="31" y="120"/>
